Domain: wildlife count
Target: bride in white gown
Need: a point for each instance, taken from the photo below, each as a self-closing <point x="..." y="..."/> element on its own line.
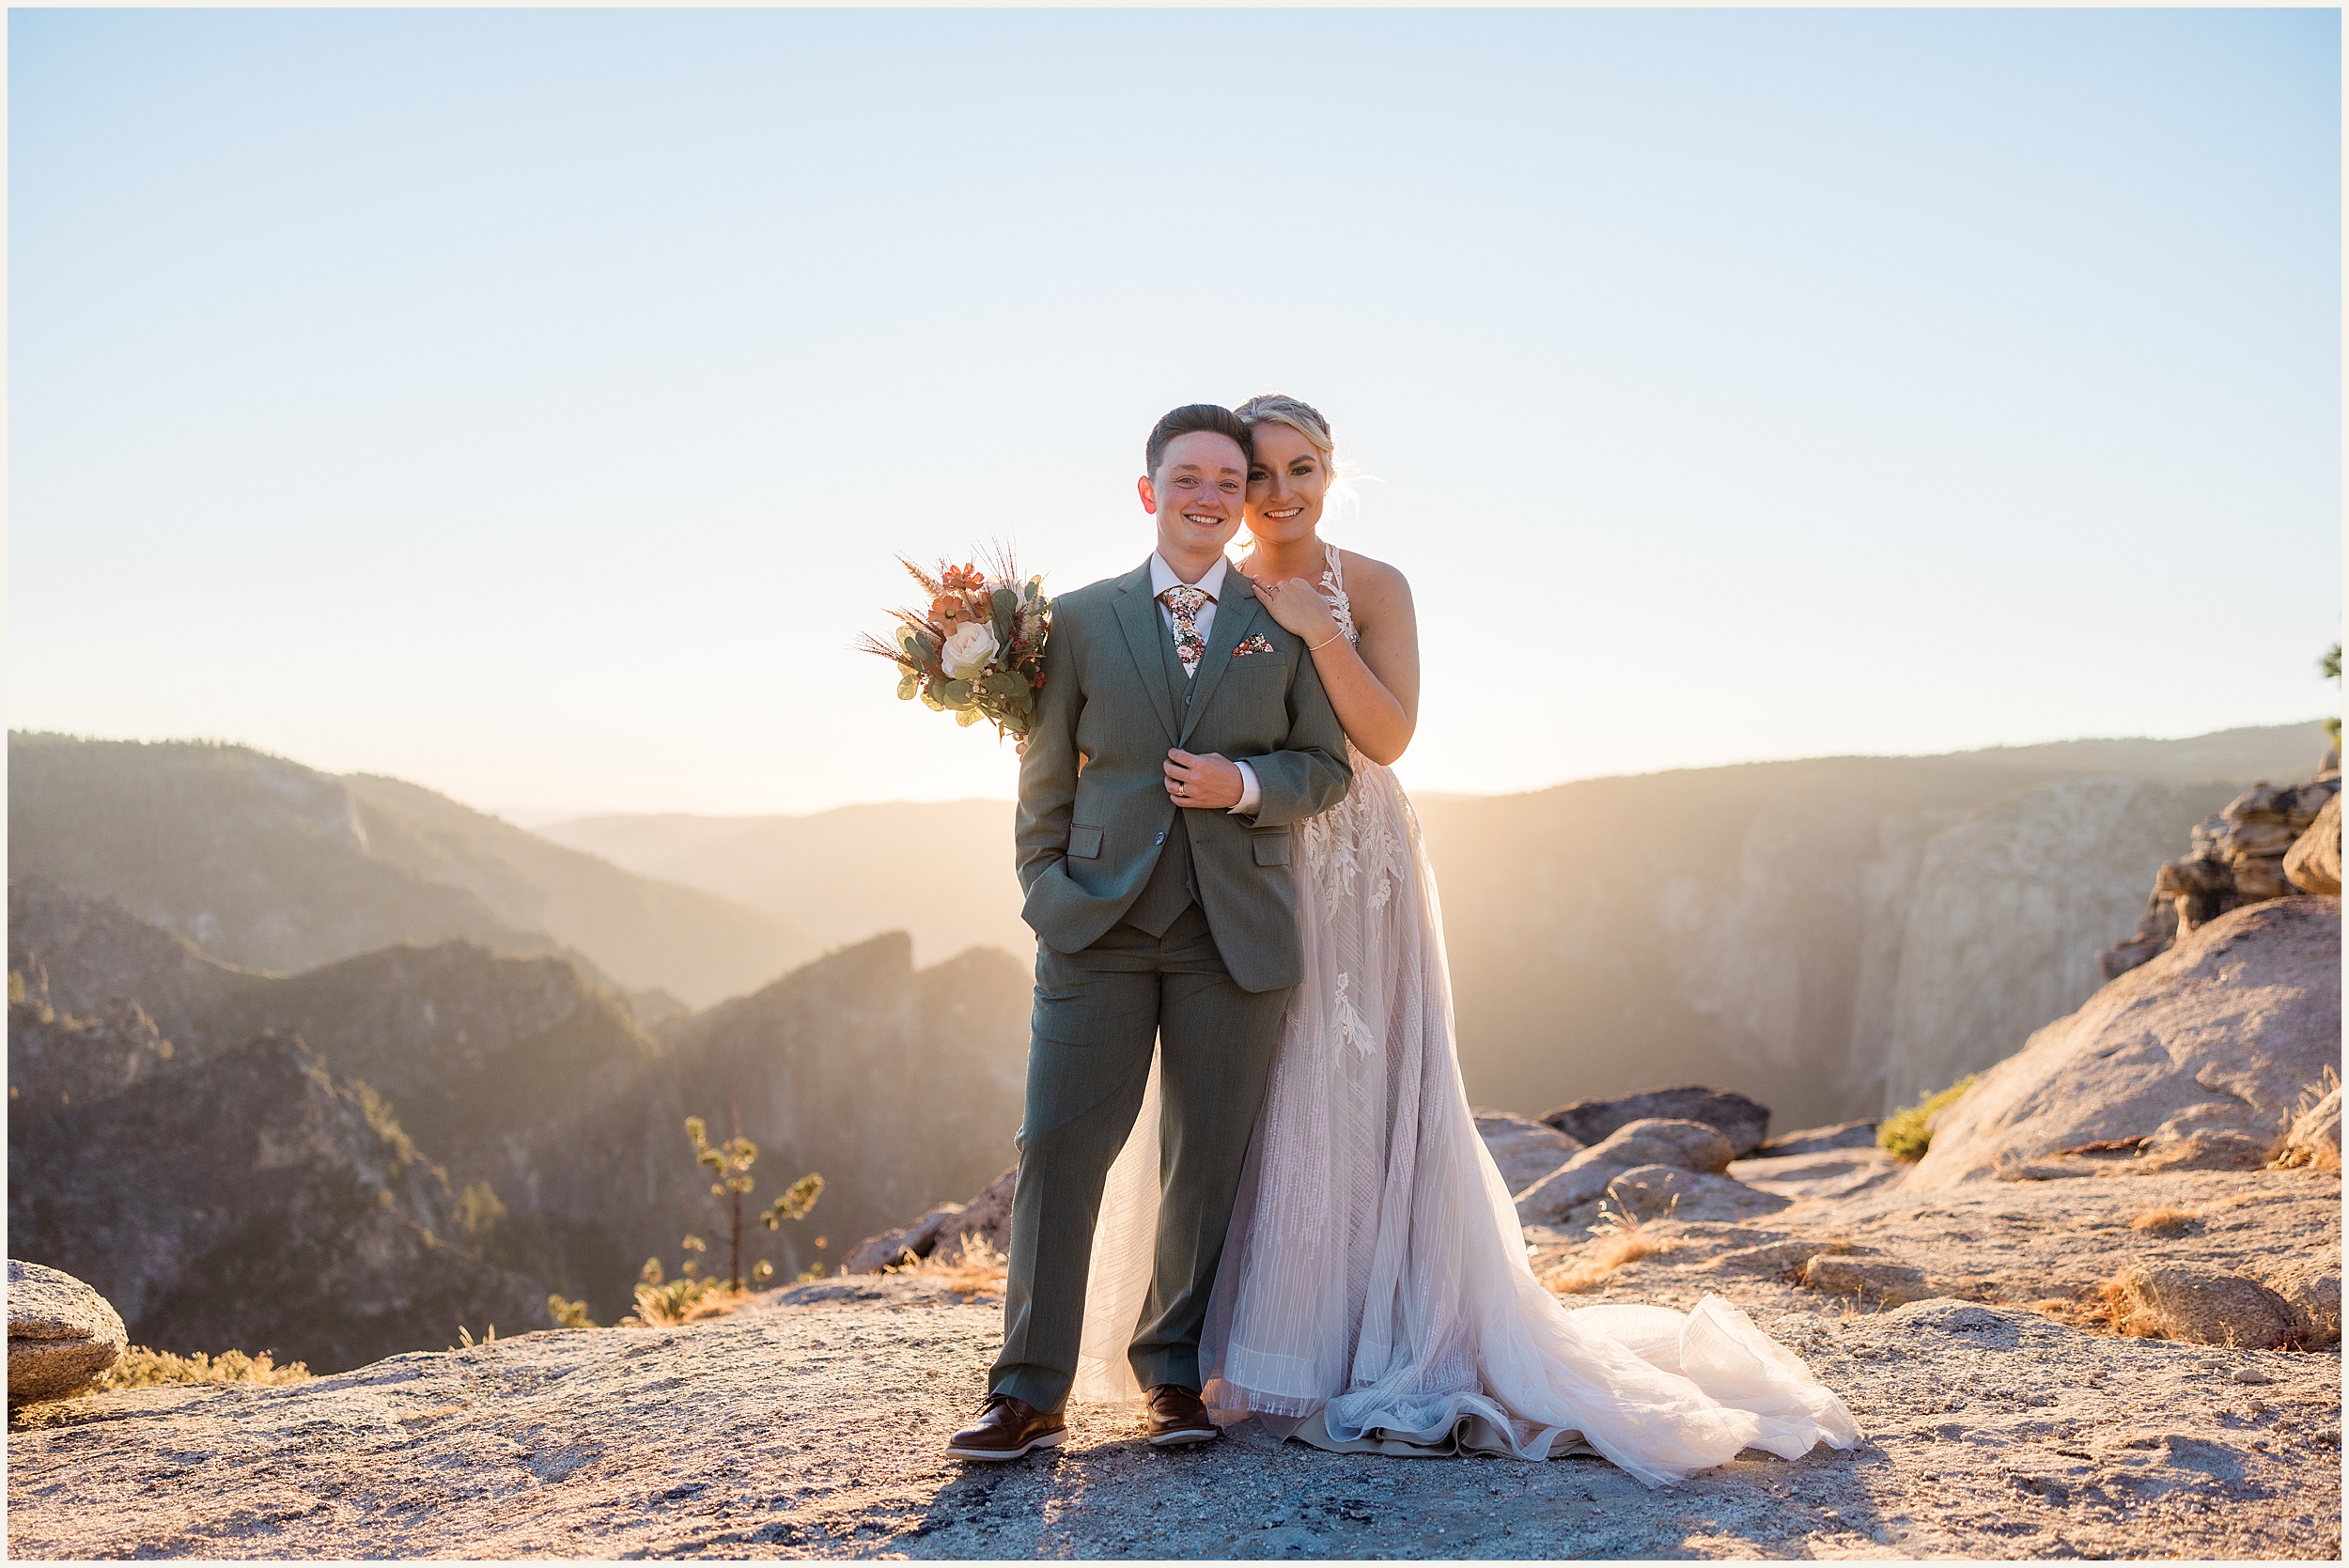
<point x="1374" y="1294"/>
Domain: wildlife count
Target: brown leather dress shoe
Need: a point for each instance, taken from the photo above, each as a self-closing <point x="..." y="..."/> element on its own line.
<point x="1175" y="1415"/>
<point x="1010" y="1428"/>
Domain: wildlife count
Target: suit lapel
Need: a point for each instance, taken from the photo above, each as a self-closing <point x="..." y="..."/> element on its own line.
<point x="1138" y="614"/>
<point x="1234" y="613"/>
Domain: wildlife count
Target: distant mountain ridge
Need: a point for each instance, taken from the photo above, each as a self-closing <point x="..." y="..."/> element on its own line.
<point x="271" y="866"/>
<point x="434" y="1134"/>
<point x="1832" y="935"/>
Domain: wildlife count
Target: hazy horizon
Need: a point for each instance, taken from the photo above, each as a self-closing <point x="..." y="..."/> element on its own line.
<point x="527" y="404"/>
<point x="535" y="818"/>
<point x="532" y="817"/>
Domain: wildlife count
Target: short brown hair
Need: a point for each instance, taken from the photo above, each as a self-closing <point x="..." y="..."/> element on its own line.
<point x="1193" y="417"/>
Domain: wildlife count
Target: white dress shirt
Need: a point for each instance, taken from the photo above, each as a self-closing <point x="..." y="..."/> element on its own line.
<point x="1162" y="578"/>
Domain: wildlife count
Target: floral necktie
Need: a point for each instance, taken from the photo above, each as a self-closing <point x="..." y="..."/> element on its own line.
<point x="1182" y="603"/>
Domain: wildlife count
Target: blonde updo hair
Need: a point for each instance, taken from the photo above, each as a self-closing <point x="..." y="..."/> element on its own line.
<point x="1279" y="407"/>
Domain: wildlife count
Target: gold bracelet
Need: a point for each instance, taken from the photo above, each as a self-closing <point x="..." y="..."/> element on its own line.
<point x="1316" y="647"/>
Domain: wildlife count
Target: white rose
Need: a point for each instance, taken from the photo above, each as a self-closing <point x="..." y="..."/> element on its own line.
<point x="968" y="650"/>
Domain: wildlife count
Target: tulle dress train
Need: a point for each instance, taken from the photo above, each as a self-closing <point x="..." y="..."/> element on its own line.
<point x="1374" y="1293"/>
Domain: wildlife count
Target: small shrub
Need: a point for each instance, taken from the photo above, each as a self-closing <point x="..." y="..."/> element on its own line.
<point x="683" y="1300"/>
<point x="141" y="1367"/>
<point x="1908" y="1134"/>
<point x="2164" y="1221"/>
<point x="567" y="1313"/>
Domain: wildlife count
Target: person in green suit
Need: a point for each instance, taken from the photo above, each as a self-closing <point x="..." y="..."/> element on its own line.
<point x="1179" y="732"/>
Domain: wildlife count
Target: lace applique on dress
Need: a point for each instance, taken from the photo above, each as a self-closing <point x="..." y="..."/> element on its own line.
<point x="1333" y="589"/>
<point x="1362" y="835"/>
<point x="1353" y="1028"/>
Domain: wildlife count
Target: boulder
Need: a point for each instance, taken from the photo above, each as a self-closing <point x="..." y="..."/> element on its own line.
<point x="2239" y="857"/>
<point x="61" y="1334"/>
<point x="1525" y="1150"/>
<point x="2189" y="1061"/>
<point x="986" y="1218"/>
<point x="1824" y="1174"/>
<point x="2310" y="1292"/>
<point x="2314" y="1140"/>
<point x="942" y="1232"/>
<point x="1818" y="1140"/>
<point x="2205" y="1136"/>
<point x="1585" y="1178"/>
<point x="2201" y="1304"/>
<point x="1881" y="1281"/>
<point x="888" y="1249"/>
<point x="2313" y="861"/>
<point x="1669" y="1192"/>
<point x="1742" y="1121"/>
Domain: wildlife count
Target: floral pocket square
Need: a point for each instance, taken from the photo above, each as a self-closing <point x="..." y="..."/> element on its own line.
<point x="1254" y="642"/>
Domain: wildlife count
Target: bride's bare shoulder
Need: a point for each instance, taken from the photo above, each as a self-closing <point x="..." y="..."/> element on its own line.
<point x="1372" y="585"/>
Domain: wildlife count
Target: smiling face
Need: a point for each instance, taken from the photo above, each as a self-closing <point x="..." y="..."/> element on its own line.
<point x="1286" y="485"/>
<point x="1198" y="495"/>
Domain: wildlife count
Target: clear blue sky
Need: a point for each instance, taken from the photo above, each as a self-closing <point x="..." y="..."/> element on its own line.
<point x="528" y="403"/>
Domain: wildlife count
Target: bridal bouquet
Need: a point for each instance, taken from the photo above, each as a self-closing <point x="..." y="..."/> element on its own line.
<point x="977" y="652"/>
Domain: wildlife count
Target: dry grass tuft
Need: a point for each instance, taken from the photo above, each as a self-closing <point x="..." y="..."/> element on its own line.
<point x="141" y="1367"/>
<point x="2091" y="1312"/>
<point x="2123" y="1305"/>
<point x="2111" y="1306"/>
<point x="1622" y="1239"/>
<point x="967" y="1270"/>
<point x="2165" y="1221"/>
<point x="2108" y="1307"/>
<point x="1602" y="1259"/>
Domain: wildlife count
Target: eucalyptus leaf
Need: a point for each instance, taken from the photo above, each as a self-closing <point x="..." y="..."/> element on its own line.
<point x="953" y="693"/>
<point x="967" y="717"/>
<point x="929" y="700"/>
<point x="908" y="684"/>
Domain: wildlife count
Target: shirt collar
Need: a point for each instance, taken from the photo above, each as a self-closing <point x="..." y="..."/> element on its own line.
<point x="1162" y="577"/>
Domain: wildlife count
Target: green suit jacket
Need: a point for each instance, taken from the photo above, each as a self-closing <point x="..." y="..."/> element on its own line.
<point x="1114" y="695"/>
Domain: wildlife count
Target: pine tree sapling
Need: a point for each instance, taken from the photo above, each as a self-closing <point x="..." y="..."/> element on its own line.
<point x="729" y="1164"/>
